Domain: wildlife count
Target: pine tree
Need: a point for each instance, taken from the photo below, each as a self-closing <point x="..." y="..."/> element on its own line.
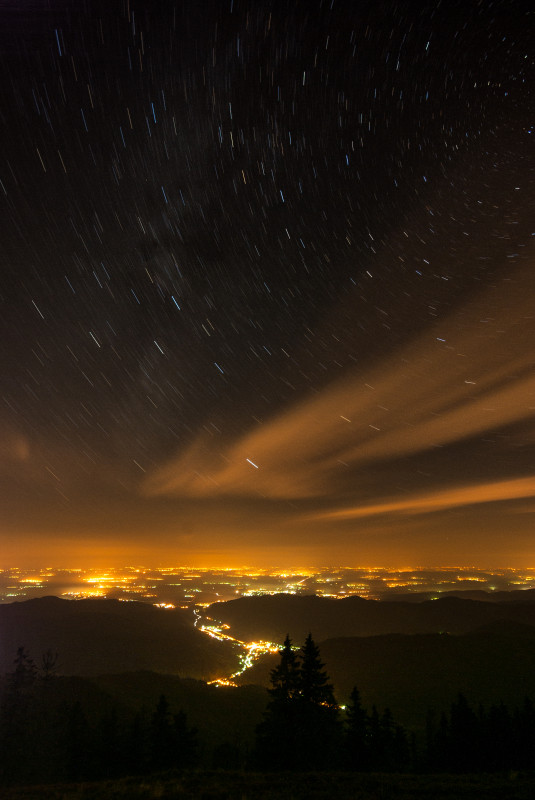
<point x="392" y="745"/>
<point x="172" y="742"/>
<point x="314" y="682"/>
<point x="465" y="736"/>
<point x="162" y="739"/>
<point x="186" y="741"/>
<point x="357" y="733"/>
<point x="276" y="734"/>
<point x="374" y="741"/>
<point x="319" y="729"/>
<point x="286" y="677"/>
<point x="300" y="729"/>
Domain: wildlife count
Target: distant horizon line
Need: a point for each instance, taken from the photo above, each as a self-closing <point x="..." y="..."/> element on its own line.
<point x="270" y="568"/>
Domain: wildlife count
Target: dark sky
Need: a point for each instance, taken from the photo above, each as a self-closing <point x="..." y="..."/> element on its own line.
<point x="267" y="282"/>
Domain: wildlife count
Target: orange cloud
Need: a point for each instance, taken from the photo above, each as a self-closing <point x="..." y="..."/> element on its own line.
<point x="466" y="375"/>
<point x="438" y="501"/>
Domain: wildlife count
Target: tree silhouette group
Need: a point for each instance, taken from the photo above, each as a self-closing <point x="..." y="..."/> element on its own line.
<point x="303" y="727"/>
<point x="46" y="737"/>
<point x="374" y="742"/>
<point x="482" y="740"/>
<point x="49" y="731"/>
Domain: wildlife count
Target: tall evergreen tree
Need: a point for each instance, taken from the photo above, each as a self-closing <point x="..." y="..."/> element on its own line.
<point x="186" y="741"/>
<point x="276" y="735"/>
<point x="319" y="729"/>
<point x="465" y="736"/>
<point x="173" y="742"/>
<point x="285" y="678"/>
<point x="314" y="686"/>
<point x="162" y="748"/>
<point x="300" y="729"/>
<point x="391" y="748"/>
<point x="357" y="733"/>
<point x="374" y="741"/>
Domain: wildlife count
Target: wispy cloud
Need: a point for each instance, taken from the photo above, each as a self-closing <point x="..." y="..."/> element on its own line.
<point x="494" y="491"/>
<point x="467" y="375"/>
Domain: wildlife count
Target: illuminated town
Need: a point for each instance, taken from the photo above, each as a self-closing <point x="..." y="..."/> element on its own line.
<point x="194" y="588"/>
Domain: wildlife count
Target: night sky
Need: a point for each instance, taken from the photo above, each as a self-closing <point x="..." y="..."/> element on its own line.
<point x="268" y="283"/>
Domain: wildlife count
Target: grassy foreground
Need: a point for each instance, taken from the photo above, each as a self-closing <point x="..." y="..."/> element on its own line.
<point x="306" y="786"/>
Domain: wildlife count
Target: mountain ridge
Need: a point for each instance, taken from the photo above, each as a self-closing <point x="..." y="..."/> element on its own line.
<point x="94" y="636"/>
<point x="271" y="617"/>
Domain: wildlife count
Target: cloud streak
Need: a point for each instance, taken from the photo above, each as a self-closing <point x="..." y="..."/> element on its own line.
<point x="465" y="376"/>
<point x="495" y="491"/>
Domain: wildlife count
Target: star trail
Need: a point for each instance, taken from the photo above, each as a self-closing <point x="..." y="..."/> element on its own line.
<point x="267" y="281"/>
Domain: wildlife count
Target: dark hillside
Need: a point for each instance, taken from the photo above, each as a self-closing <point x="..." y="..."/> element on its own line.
<point x="93" y="637"/>
<point x="411" y="673"/>
<point x="271" y="617"/>
<point x="220" y="713"/>
<point x="502" y="596"/>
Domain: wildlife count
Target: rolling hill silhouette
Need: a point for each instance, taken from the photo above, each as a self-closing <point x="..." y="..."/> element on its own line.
<point x="271" y="617"/>
<point x="407" y="656"/>
<point x="411" y="673"/>
<point x="92" y="637"/>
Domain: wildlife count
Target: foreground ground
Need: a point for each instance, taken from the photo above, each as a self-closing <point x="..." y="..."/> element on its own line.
<point x="255" y="786"/>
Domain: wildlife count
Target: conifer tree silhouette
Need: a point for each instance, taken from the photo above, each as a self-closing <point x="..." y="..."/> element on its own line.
<point x="300" y="729"/>
<point x="172" y="742"/>
<point x="162" y="739"/>
<point x="314" y="686"/>
<point x="357" y="733"/>
<point x="319" y="729"/>
<point x="276" y="735"/>
<point x="285" y="678"/>
<point x="185" y="740"/>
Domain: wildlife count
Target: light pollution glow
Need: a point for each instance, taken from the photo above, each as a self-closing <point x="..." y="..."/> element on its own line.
<point x="467" y="376"/>
<point x="336" y="457"/>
